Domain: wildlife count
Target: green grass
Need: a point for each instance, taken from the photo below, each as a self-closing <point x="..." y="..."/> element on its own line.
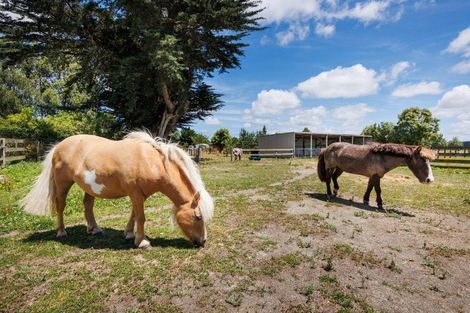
<point x="84" y="273"/>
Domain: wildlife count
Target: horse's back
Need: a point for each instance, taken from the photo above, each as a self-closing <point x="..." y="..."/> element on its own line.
<point x="92" y="161"/>
<point x="348" y="157"/>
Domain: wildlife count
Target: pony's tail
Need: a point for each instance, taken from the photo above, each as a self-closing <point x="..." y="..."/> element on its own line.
<point x="321" y="169"/>
<point x="40" y="200"/>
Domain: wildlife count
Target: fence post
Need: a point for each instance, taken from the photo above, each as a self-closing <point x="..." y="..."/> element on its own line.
<point x="2" y="152"/>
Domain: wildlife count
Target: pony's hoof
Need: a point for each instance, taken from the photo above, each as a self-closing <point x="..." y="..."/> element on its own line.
<point x="144" y="244"/>
<point x="95" y="231"/>
<point x="335" y="192"/>
<point x="381" y="208"/>
<point x="366" y="203"/>
<point x="61" y="234"/>
<point x="129" y="235"/>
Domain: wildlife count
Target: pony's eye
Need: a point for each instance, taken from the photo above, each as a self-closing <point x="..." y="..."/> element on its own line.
<point x="198" y="216"/>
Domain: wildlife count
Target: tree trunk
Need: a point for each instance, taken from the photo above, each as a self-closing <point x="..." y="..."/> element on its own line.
<point x="169" y="115"/>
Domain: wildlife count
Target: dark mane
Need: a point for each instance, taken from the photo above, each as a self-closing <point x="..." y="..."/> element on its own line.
<point x="393" y="149"/>
<point x="399" y="150"/>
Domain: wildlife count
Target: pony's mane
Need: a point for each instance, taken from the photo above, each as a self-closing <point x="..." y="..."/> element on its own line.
<point x="180" y="157"/>
<point x="400" y="150"/>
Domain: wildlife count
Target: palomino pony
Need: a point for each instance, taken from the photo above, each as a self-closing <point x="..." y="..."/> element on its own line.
<point x="373" y="161"/>
<point x="137" y="166"/>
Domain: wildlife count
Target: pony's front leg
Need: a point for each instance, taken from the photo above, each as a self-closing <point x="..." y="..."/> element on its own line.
<point x="138" y="208"/>
<point x="370" y="185"/>
<point x="92" y="226"/>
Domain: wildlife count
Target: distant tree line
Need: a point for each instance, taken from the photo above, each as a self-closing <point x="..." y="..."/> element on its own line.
<point x="415" y="126"/>
<point x="221" y="139"/>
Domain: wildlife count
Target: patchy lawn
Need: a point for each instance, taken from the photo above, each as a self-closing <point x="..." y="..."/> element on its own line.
<point x="276" y="245"/>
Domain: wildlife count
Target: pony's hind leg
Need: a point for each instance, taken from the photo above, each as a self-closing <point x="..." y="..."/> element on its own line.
<point x="92" y="226"/>
<point x="335" y="176"/>
<point x="370" y="185"/>
<point x="378" y="191"/>
<point x="129" y="230"/>
<point x="60" y="202"/>
<point x="329" y="174"/>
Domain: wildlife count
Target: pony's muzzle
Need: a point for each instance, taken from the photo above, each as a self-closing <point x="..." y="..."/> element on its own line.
<point x="429" y="180"/>
<point x="199" y="243"/>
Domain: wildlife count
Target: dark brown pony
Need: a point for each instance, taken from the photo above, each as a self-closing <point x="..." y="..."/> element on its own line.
<point x="373" y="161"/>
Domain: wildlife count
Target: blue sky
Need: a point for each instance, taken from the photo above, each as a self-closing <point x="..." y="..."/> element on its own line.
<point x="337" y="66"/>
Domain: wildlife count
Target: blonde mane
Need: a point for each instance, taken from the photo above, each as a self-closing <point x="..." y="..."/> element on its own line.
<point x="184" y="161"/>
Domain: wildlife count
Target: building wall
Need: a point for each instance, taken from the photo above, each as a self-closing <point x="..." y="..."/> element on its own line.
<point x="277" y="141"/>
<point x="466" y="143"/>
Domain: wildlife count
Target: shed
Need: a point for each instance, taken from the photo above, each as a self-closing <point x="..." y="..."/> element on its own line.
<point x="308" y="144"/>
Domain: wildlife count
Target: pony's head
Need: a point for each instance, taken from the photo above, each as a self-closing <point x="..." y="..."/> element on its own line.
<point x="419" y="164"/>
<point x="192" y="217"/>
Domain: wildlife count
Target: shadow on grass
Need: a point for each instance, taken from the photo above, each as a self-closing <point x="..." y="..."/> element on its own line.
<point x="359" y="205"/>
<point x="111" y="239"/>
<point x="466" y="201"/>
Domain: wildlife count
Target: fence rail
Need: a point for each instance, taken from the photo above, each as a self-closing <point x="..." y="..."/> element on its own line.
<point x="11" y="150"/>
<point x="453" y="152"/>
<point x="268" y="153"/>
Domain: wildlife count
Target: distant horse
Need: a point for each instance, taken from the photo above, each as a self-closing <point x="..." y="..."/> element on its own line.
<point x="137" y="166"/>
<point x="373" y="161"/>
<point x="237" y="153"/>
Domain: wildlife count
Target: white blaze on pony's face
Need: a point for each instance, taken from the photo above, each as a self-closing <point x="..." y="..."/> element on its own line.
<point x="420" y="165"/>
<point x="430" y="178"/>
<point x="90" y="180"/>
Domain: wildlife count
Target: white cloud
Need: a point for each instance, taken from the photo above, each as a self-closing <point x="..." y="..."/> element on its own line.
<point x="455" y="102"/>
<point x="325" y="13"/>
<point x="422" y="88"/>
<point x="212" y="121"/>
<point x="274" y="102"/>
<point x="341" y="82"/>
<point x="296" y="31"/>
<point x="398" y="69"/>
<point x="462" y="67"/>
<point x="389" y="77"/>
<point x="312" y="118"/>
<point x="277" y="11"/>
<point x="461" y="44"/>
<point x="367" y="12"/>
<point x="354" y="112"/>
<point x="265" y="40"/>
<point x="324" y="30"/>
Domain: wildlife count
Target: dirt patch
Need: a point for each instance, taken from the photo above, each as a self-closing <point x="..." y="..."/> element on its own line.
<point x="299" y="175"/>
<point x="406" y="276"/>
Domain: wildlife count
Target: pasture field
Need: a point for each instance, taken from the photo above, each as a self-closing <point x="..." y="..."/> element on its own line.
<point x="276" y="245"/>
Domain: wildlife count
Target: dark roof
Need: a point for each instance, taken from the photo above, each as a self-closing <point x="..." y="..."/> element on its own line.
<point x="320" y="134"/>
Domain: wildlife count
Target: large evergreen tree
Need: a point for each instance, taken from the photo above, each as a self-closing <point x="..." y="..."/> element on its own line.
<point x="144" y="61"/>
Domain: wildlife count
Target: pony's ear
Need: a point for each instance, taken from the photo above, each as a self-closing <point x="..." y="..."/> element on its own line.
<point x="418" y="150"/>
<point x="196" y="198"/>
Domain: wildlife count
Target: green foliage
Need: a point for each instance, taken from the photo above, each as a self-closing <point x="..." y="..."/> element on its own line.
<point x="221" y="138"/>
<point x="50" y="129"/>
<point x="187" y="137"/>
<point x="306" y="130"/>
<point x="455" y="142"/>
<point x="383" y="132"/>
<point x="417" y="127"/>
<point x="247" y="140"/>
<point x="130" y="52"/>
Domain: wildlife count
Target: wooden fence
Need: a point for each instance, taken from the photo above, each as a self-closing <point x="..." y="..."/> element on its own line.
<point x="11" y="150"/>
<point x="449" y="152"/>
<point x="268" y="153"/>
